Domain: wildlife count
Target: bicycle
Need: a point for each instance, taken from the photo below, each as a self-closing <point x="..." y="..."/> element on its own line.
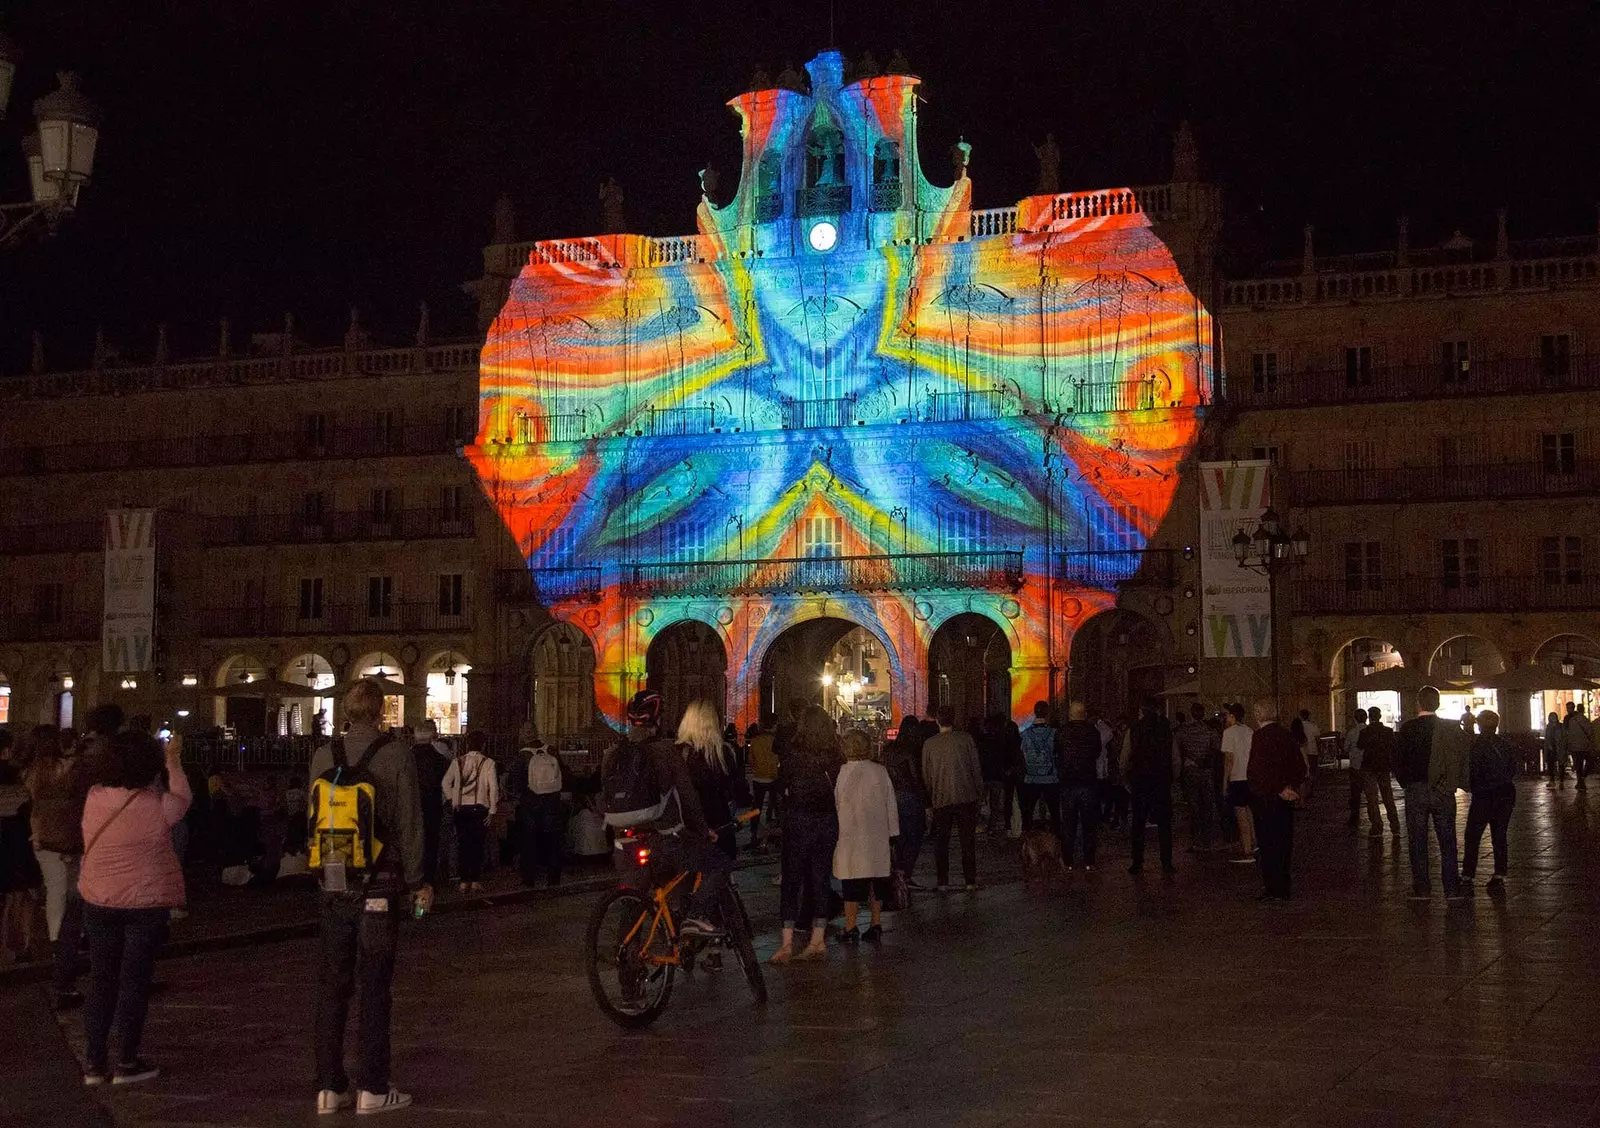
<point x="632" y="947"/>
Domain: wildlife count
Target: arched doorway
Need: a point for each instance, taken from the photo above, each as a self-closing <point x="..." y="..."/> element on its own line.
<point x="247" y="716"/>
<point x="1571" y="655"/>
<point x="969" y="667"/>
<point x="446" y="704"/>
<point x="1366" y="675"/>
<point x="1458" y="668"/>
<point x="686" y="662"/>
<point x="385" y="667"/>
<point x="563" y="683"/>
<point x="1118" y="659"/>
<point x="834" y="663"/>
<point x="311" y="716"/>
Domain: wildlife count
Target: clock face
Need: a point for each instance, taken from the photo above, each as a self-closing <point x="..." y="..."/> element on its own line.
<point x="823" y="236"/>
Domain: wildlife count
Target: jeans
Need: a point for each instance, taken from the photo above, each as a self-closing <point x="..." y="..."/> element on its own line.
<point x="761" y="792"/>
<point x="913" y="825"/>
<point x="1491" y="809"/>
<point x="63" y="910"/>
<point x="1375" y="787"/>
<point x="1424" y="802"/>
<point x="1080" y="805"/>
<point x="1032" y="794"/>
<point x="542" y="825"/>
<point x="472" y="832"/>
<point x="1156" y="807"/>
<point x="997" y="795"/>
<point x="964" y="817"/>
<point x="1274" y="821"/>
<point x="1199" y="791"/>
<point x="122" y="959"/>
<point x="358" y="947"/>
<point x="808" y="841"/>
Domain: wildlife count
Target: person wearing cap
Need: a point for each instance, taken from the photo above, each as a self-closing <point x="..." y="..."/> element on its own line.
<point x="687" y="840"/>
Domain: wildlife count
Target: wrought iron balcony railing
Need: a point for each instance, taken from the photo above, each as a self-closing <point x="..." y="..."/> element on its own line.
<point x="957" y="407"/>
<point x="70" y="627"/>
<point x="769" y="207"/>
<point x="272" y="621"/>
<point x="333" y="528"/>
<point x="1421" y="381"/>
<point x="1335" y="595"/>
<point x="886" y="196"/>
<point x="819" y="412"/>
<point x="547" y="585"/>
<point x="993" y="570"/>
<point x="1443" y="483"/>
<point x="1110" y="569"/>
<point x="65" y="536"/>
<point x="824" y="199"/>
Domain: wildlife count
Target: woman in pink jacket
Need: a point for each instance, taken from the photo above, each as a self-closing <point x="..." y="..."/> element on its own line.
<point x="130" y="879"/>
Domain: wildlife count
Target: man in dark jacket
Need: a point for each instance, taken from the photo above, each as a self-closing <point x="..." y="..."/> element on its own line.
<point x="1199" y="749"/>
<point x="1079" y="747"/>
<point x="1431" y="764"/>
<point x="1493" y="771"/>
<point x="1148" y="766"/>
<point x="431" y="762"/>
<point x="1277" y="772"/>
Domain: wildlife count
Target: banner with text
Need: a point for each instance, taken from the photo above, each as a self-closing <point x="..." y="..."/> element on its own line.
<point x="1236" y="604"/>
<point x="130" y="605"/>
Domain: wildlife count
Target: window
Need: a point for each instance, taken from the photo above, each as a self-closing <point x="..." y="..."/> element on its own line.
<point x="450" y="587"/>
<point x="49" y="602"/>
<point x="1561" y="560"/>
<point x="1360" y="454"/>
<point x="1358" y="366"/>
<point x="1263" y="372"/>
<point x="821" y="536"/>
<point x="382" y="505"/>
<point x="1363" y="566"/>
<point x="1555" y="356"/>
<point x="1559" y="453"/>
<point x="5" y="704"/>
<point x="1460" y="563"/>
<point x="311" y="598"/>
<point x="886" y="162"/>
<point x="1267" y="453"/>
<point x="1113" y="528"/>
<point x="557" y="550"/>
<point x="452" y="503"/>
<point x="385" y="430"/>
<point x="311" y="510"/>
<point x="380" y="596"/>
<point x="459" y="423"/>
<point x="964" y="530"/>
<point x="683" y="541"/>
<point x="1453" y="362"/>
<point x="314" y="429"/>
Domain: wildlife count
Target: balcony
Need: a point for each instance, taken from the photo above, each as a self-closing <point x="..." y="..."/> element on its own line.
<point x="824" y="199"/>
<point x="1110" y="569"/>
<point x="1437" y="483"/>
<point x="547" y="585"/>
<point x="330" y="619"/>
<point x="74" y="626"/>
<point x="667" y="421"/>
<point x="1404" y="595"/>
<point x="806" y="413"/>
<point x="1423" y="381"/>
<point x="334" y="528"/>
<point x="960" y="407"/>
<point x="885" y="197"/>
<point x="991" y="571"/>
<point x="66" y="536"/>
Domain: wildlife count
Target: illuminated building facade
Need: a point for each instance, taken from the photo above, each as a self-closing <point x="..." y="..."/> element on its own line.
<point x="853" y="441"/>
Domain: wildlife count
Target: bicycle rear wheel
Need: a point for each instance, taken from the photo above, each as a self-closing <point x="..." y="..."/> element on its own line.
<point x="742" y="938"/>
<point x="620" y="949"/>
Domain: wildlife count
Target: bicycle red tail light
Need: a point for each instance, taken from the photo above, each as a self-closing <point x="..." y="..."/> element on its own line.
<point x="643" y="854"/>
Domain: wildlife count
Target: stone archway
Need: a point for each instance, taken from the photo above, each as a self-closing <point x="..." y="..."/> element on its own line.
<point x="833" y="662"/>
<point x="686" y="662"/>
<point x="1357" y="661"/>
<point x="1118" y="659"/>
<point x="969" y="667"/>
<point x="563" y="662"/>
<point x="1458" y="667"/>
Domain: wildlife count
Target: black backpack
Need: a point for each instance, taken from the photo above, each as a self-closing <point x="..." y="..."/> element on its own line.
<point x="632" y="794"/>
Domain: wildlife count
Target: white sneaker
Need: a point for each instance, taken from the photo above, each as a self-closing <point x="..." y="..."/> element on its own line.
<point x="369" y="1103"/>
<point x="330" y="1101"/>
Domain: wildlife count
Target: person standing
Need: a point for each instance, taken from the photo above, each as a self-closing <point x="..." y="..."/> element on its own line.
<point x="1236" y="741"/>
<point x="902" y="758"/>
<point x="130" y="881"/>
<point x="541" y="812"/>
<point x="869" y="820"/>
<point x="1555" y="749"/>
<point x="996" y="783"/>
<point x="472" y="790"/>
<point x="954" y="780"/>
<point x="1378" y="747"/>
<point x="763" y="775"/>
<point x="20" y="880"/>
<point x="1080" y="753"/>
<point x="1148" y="764"/>
<point x="1580" y="742"/>
<point x="1352" y="755"/>
<point x="1431" y="764"/>
<point x="1492" y="771"/>
<point x="1197" y="745"/>
<point x="1277" y="769"/>
<point x="1041" y="775"/>
<point x="360" y="913"/>
<point x="806" y="778"/>
<point x="58" y="779"/>
<point x="431" y="763"/>
<point x="1311" y="733"/>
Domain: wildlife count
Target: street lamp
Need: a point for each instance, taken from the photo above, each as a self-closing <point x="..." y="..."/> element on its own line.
<point x="60" y="156"/>
<point x="1269" y="551"/>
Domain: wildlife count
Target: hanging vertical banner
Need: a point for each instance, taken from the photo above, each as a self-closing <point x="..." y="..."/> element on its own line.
<point x="1236" y="603"/>
<point x="128" y="633"/>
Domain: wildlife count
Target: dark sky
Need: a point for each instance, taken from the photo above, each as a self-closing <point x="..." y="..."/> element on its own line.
<point x="266" y="155"/>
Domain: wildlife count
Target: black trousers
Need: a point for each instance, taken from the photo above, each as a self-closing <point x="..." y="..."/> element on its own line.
<point x="472" y="834"/>
<point x="1032" y="794"/>
<point x="357" y="949"/>
<point x="122" y="960"/>
<point x="1275" y="833"/>
<point x="432" y="815"/>
<point x="1491" y="809"/>
<point x="542" y="826"/>
<point x="1156" y="807"/>
<point x="1080" y="806"/>
<point x="964" y="817"/>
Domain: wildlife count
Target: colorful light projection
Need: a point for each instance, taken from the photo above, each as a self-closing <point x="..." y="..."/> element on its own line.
<point x="846" y="361"/>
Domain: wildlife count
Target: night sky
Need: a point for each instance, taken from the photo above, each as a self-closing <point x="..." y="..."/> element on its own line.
<point x="260" y="156"/>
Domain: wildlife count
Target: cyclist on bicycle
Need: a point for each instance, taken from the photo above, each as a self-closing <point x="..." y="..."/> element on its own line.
<point x="647" y="787"/>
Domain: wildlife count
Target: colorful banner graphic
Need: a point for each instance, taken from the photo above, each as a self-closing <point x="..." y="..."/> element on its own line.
<point x="128" y="632"/>
<point x="1236" y="603"/>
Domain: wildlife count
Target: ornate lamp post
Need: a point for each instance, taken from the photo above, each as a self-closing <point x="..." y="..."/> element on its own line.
<point x="60" y="156"/>
<point x="1269" y="552"/>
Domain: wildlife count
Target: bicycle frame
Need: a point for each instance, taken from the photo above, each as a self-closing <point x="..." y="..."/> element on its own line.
<point x="663" y="914"/>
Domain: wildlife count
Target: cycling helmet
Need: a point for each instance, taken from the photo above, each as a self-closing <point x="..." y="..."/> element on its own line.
<point x="645" y="708"/>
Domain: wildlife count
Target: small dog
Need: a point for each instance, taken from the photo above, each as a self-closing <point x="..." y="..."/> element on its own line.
<point x="1041" y="857"/>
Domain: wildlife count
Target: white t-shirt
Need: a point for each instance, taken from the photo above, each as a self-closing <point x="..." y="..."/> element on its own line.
<point x="1236" y="739"/>
<point x="1313" y="733"/>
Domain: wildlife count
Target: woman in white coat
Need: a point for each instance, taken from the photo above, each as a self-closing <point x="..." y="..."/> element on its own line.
<point x="868" y="819"/>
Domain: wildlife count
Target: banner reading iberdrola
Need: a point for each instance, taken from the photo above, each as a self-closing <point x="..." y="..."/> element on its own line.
<point x="1236" y="603"/>
<point x="130" y="603"/>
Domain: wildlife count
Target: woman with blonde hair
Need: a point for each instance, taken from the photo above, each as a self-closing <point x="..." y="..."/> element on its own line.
<point x="711" y="765"/>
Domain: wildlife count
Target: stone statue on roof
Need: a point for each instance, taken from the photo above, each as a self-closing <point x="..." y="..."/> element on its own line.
<point x="1049" y="166"/>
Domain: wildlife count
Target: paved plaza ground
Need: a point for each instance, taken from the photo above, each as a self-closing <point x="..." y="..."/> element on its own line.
<point x="1111" y="1002"/>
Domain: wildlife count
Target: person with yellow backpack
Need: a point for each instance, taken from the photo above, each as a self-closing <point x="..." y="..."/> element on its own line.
<point x="365" y="836"/>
